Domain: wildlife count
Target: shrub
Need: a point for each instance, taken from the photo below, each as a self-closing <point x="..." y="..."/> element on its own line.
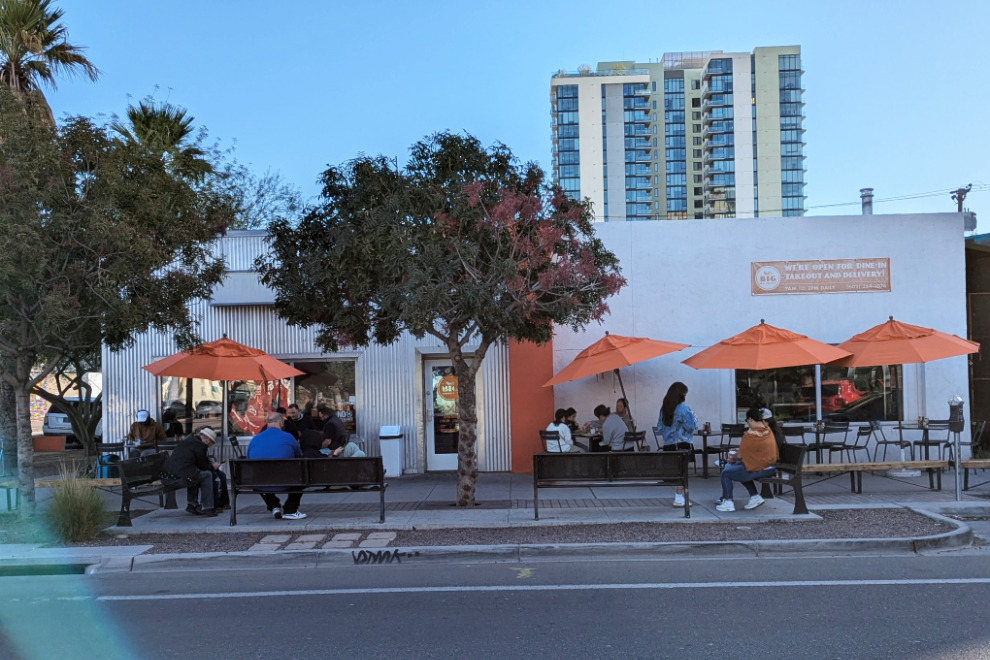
<point x="76" y="511"/>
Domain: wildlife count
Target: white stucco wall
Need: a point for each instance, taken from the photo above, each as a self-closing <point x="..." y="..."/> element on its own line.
<point x="689" y="282"/>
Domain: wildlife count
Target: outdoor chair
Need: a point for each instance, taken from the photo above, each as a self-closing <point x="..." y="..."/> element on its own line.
<point x="548" y="438"/>
<point x="860" y="443"/>
<point x="942" y="444"/>
<point x="882" y="440"/>
<point x="798" y="432"/>
<point x="833" y="430"/>
<point x="976" y="438"/>
<point x="638" y="438"/>
<point x="108" y="454"/>
<point x="235" y="446"/>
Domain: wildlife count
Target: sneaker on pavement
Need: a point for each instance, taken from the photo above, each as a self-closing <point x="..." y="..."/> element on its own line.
<point x="277" y="512"/>
<point x="678" y="500"/>
<point x="210" y="513"/>
<point x="727" y="505"/>
<point x="193" y="509"/>
<point x="298" y="515"/>
<point x="754" y="502"/>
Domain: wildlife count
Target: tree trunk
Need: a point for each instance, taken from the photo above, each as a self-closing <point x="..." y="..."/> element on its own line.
<point x="8" y="428"/>
<point x="25" y="441"/>
<point x="467" y="399"/>
<point x="467" y="454"/>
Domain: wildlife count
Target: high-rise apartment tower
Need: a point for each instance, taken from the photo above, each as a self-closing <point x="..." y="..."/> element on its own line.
<point x="695" y="135"/>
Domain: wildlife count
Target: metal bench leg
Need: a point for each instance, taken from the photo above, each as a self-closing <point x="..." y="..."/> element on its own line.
<point x="170" y="500"/>
<point x="765" y="491"/>
<point x="536" y="501"/>
<point x="852" y="481"/>
<point x="233" y="506"/>
<point x="124" y="519"/>
<point x="799" y="505"/>
<point x="965" y="480"/>
<point x="687" y="501"/>
<point x="382" y="518"/>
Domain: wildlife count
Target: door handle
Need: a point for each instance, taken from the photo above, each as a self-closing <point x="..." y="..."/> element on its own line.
<point x="429" y="414"/>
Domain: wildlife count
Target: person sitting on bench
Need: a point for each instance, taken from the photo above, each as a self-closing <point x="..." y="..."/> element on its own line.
<point x="757" y="454"/>
<point x="273" y="442"/>
<point x="188" y="464"/>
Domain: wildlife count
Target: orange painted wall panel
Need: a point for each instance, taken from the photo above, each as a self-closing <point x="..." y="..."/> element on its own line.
<point x="532" y="404"/>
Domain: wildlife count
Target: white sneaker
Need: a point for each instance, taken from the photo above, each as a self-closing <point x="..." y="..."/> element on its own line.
<point x="298" y="515"/>
<point x="754" y="502"/>
<point x="277" y="512"/>
<point x="727" y="505"/>
<point x="678" y="499"/>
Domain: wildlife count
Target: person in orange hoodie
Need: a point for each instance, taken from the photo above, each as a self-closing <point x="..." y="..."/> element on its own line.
<point x="755" y="458"/>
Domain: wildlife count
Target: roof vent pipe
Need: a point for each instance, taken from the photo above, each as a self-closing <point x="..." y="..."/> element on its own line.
<point x="866" y="194"/>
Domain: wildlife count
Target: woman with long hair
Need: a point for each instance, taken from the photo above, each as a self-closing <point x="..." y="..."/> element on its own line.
<point x="622" y="410"/>
<point x="677" y="425"/>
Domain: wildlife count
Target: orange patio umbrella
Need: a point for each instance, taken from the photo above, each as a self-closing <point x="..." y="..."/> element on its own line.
<point x="765" y="347"/>
<point x="894" y="342"/>
<point x="223" y="360"/>
<point x="610" y="354"/>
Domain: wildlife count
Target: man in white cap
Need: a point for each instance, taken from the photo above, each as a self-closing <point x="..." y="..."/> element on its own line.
<point x="145" y="431"/>
<point x="190" y="466"/>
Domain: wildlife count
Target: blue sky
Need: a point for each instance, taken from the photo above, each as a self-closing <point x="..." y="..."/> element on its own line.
<point x="896" y="91"/>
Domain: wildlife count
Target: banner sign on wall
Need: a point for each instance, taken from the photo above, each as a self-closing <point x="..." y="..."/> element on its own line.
<point x="820" y="276"/>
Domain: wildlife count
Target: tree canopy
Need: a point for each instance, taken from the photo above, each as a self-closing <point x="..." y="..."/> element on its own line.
<point x="464" y="243"/>
<point x="99" y="240"/>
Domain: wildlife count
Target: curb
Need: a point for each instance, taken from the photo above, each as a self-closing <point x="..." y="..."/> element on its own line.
<point x="515" y="553"/>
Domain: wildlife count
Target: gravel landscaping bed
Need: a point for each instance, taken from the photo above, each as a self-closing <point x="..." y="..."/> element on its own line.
<point x="835" y="524"/>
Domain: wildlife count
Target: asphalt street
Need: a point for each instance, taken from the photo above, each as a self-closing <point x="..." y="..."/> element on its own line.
<point x="854" y="607"/>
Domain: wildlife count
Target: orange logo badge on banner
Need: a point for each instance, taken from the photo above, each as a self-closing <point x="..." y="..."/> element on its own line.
<point x="447" y="388"/>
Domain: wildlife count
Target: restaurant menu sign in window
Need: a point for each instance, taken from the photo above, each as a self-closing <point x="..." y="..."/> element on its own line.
<point x="820" y="276"/>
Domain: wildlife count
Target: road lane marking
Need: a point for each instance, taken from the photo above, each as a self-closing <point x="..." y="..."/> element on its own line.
<point x="550" y="587"/>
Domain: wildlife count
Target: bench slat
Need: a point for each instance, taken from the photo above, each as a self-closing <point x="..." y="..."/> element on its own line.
<point x="864" y="467"/>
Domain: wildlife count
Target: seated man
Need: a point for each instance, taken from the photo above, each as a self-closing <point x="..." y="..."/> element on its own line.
<point x="144" y="432"/>
<point x="613" y="431"/>
<point x="189" y="465"/>
<point x="337" y="442"/>
<point x="314" y="445"/>
<point x="296" y="422"/>
<point x="273" y="442"/>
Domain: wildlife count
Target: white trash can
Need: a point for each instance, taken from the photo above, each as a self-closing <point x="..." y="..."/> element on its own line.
<point x="390" y="446"/>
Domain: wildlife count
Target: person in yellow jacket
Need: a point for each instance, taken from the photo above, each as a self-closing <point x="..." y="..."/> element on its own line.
<point x="755" y="458"/>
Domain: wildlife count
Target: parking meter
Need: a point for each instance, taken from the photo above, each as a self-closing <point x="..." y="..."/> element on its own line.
<point x="956" y="421"/>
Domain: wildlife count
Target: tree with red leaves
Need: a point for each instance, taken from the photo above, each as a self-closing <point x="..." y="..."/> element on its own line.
<point x="464" y="244"/>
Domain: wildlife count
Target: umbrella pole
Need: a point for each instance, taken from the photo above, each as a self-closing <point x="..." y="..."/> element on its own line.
<point x="622" y="388"/>
<point x="224" y="419"/>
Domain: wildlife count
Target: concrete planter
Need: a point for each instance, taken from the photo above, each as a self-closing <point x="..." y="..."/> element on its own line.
<point x="48" y="443"/>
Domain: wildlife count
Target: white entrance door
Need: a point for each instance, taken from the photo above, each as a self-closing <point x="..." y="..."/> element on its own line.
<point x="442" y="426"/>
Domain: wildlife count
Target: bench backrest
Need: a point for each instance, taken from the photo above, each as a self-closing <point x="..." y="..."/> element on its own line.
<point x="143" y="470"/>
<point x="289" y="472"/>
<point x="611" y="466"/>
<point x="791" y="455"/>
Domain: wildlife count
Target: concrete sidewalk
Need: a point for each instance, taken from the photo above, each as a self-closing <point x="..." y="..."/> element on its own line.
<point x="506" y="500"/>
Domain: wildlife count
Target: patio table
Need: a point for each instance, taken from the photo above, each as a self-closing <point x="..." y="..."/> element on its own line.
<point x="704" y="434"/>
<point x="594" y="439"/>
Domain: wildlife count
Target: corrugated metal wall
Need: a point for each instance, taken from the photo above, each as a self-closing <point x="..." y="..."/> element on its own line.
<point x="389" y="387"/>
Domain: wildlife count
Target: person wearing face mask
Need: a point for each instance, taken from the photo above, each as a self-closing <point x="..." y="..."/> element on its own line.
<point x="145" y="430"/>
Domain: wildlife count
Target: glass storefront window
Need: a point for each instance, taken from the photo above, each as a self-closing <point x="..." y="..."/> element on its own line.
<point x="189" y="404"/>
<point x="331" y="383"/>
<point x="849" y="394"/>
<point x="250" y="401"/>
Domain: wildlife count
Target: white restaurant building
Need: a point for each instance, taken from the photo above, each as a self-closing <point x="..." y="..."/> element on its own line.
<point x="692" y="281"/>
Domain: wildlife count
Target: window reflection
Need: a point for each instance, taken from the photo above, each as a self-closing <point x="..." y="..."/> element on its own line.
<point x="330" y="383"/>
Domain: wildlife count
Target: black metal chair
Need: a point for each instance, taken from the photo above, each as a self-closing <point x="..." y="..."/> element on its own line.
<point x="975" y="439"/>
<point x="550" y="437"/>
<point x="638" y="439"/>
<point x="731" y="437"/>
<point x="823" y="443"/>
<point x="235" y="446"/>
<point x="860" y="443"/>
<point x="798" y="432"/>
<point x="901" y="443"/>
<point x="943" y="445"/>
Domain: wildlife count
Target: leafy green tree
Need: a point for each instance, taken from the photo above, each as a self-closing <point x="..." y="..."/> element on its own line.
<point x="99" y="240"/>
<point x="463" y="243"/>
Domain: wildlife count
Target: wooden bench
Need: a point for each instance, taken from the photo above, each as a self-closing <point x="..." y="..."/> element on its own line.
<point x="973" y="464"/>
<point x="288" y="475"/>
<point x="856" y="470"/>
<point x="141" y="477"/>
<point x="789" y="463"/>
<point x="655" y="468"/>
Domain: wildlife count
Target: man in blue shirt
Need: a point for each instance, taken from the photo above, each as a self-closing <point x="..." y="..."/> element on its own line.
<point x="273" y="442"/>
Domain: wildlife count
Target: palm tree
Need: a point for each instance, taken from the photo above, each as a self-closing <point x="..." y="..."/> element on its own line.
<point x="166" y="130"/>
<point x="34" y="47"/>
